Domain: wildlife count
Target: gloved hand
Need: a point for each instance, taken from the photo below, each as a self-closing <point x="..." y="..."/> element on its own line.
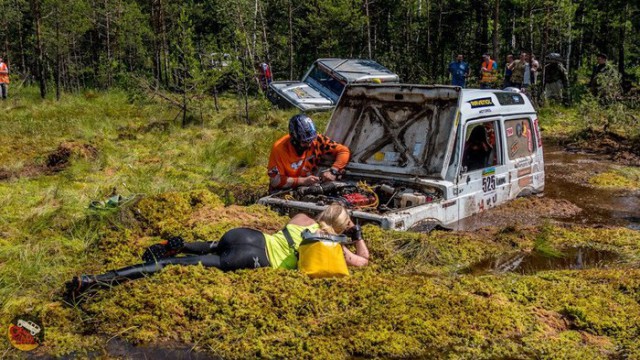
<point x="354" y="232"/>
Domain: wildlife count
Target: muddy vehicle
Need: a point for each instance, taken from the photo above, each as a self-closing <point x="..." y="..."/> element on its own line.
<point x="427" y="156"/>
<point x="324" y="82"/>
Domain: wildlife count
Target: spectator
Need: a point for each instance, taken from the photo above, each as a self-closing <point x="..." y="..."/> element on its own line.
<point x="507" y="72"/>
<point x="556" y="79"/>
<point x="4" y="79"/>
<point x="605" y="80"/>
<point x="488" y="72"/>
<point x="517" y="71"/>
<point x="528" y="74"/>
<point x="535" y="66"/>
<point x="459" y="71"/>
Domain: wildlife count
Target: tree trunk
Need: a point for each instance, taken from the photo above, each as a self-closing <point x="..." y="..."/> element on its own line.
<point x="107" y="14"/>
<point x="57" y="55"/>
<point x="496" y="27"/>
<point x="265" y="39"/>
<point x="623" y="28"/>
<point x="290" y="39"/>
<point x="37" y="18"/>
<point x="569" y="47"/>
<point x="366" y="11"/>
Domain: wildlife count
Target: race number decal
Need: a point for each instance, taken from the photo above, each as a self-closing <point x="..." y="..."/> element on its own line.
<point x="489" y="183"/>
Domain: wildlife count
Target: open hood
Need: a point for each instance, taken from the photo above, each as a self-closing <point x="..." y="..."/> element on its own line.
<point x="302" y="96"/>
<point x="400" y="129"/>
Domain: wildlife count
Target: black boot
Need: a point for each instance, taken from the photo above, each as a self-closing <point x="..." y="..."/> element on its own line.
<point x="163" y="250"/>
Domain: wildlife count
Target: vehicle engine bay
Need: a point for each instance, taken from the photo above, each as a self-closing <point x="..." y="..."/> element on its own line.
<point x="379" y="197"/>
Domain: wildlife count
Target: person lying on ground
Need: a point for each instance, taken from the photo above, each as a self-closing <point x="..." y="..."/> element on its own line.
<point x="239" y="248"/>
<point x="295" y="157"/>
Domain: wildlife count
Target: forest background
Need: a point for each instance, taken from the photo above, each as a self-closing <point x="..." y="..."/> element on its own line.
<point x="68" y="45"/>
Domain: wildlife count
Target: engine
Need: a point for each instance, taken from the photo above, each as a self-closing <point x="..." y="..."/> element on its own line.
<point x="377" y="197"/>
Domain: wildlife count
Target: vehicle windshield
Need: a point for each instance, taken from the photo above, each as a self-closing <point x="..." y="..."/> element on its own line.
<point x="326" y="80"/>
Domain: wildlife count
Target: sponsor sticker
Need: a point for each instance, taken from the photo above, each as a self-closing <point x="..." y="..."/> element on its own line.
<point x="509" y="131"/>
<point x="25" y="332"/>
<point x="489" y="171"/>
<point x="482" y="102"/>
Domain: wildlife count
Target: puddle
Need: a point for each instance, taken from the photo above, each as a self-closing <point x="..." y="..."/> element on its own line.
<point x="532" y="262"/>
<point x="567" y="198"/>
<point x="566" y="178"/>
<point x="121" y="349"/>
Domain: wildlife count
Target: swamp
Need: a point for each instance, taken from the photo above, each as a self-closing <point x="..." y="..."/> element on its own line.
<point x="553" y="274"/>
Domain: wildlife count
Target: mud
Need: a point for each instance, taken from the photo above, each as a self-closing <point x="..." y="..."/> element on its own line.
<point x="532" y="262"/>
<point x="567" y="177"/>
<point x="615" y="147"/>
<point x="123" y="350"/>
<point x="568" y="197"/>
<point x="54" y="162"/>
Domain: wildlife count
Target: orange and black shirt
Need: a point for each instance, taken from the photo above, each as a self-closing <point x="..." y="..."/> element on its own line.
<point x="286" y="166"/>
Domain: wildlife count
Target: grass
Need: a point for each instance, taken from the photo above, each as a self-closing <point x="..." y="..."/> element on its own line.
<point x="412" y="302"/>
<point x="624" y="177"/>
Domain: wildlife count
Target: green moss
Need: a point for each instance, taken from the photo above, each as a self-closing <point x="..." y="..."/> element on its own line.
<point x="627" y="178"/>
<point x="411" y="302"/>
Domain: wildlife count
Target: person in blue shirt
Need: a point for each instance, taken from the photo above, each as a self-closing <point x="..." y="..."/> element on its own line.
<point x="459" y="71"/>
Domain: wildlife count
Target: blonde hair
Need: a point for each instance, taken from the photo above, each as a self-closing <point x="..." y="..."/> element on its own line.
<point x="334" y="219"/>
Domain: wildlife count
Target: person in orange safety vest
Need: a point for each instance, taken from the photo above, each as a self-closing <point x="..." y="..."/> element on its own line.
<point x="488" y="72"/>
<point x="295" y="157"/>
<point x="4" y="78"/>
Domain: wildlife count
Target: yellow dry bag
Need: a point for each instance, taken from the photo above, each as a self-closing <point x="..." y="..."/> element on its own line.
<point x="321" y="256"/>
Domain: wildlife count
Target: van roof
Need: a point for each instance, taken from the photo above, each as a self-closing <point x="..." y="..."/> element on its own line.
<point x="356" y="70"/>
<point x="481" y="103"/>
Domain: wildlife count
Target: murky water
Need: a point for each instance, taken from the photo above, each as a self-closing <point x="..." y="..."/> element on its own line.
<point x="567" y="197"/>
<point x="122" y="349"/>
<point x="532" y="262"/>
<point x="566" y="176"/>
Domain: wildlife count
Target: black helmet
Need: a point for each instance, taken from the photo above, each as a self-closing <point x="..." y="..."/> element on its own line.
<point x="302" y="129"/>
<point x="554" y="57"/>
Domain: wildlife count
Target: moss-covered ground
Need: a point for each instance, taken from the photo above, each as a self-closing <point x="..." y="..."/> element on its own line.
<point x="416" y="300"/>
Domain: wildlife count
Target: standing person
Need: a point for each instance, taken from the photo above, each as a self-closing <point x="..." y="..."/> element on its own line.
<point x="295" y="157"/>
<point x="507" y="72"/>
<point x="4" y="78"/>
<point x="459" y="71"/>
<point x="264" y="75"/>
<point x="528" y="74"/>
<point x="535" y="66"/>
<point x="517" y="71"/>
<point x="556" y="79"/>
<point x="488" y="72"/>
<point x="605" y="80"/>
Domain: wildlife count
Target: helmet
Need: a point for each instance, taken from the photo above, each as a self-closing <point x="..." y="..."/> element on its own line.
<point x="302" y="129"/>
<point x="554" y="57"/>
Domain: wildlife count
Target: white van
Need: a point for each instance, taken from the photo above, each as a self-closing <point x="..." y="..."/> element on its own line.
<point x="423" y="156"/>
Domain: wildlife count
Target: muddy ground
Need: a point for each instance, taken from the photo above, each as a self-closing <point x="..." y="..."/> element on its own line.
<point x="569" y="197"/>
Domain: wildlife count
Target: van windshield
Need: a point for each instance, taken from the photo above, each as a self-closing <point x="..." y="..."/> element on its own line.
<point x="324" y="79"/>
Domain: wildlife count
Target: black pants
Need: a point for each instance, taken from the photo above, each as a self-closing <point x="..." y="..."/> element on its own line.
<point x="3" y="90"/>
<point x="239" y="248"/>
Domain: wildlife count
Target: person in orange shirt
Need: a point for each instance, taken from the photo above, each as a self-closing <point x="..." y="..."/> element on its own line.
<point x="4" y="78"/>
<point x="295" y="157"/>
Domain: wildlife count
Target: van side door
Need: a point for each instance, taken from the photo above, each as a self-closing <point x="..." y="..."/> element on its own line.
<point x="482" y="182"/>
<point x="524" y="155"/>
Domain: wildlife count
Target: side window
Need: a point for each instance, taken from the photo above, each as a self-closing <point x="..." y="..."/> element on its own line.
<point x="520" y="138"/>
<point x="481" y="146"/>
